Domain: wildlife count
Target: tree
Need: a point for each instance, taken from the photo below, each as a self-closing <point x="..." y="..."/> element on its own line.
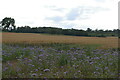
<point x="89" y="30"/>
<point x="7" y="21"/>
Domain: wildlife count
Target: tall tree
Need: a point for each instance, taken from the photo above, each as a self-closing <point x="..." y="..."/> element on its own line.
<point x="7" y="21"/>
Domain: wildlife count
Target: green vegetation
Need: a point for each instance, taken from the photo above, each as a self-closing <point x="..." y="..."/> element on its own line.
<point x="6" y="22"/>
<point x="55" y="62"/>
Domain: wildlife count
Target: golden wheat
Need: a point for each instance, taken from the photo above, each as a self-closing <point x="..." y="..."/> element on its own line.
<point x="108" y="42"/>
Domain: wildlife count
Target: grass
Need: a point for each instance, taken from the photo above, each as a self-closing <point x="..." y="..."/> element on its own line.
<point x="27" y="55"/>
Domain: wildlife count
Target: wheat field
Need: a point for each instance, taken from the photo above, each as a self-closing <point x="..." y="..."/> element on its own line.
<point x="31" y="38"/>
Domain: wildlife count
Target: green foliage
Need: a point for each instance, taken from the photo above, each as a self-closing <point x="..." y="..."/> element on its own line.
<point x="72" y="32"/>
<point x="75" y="62"/>
<point x="52" y="30"/>
<point x="6" y="22"/>
<point x="63" y="60"/>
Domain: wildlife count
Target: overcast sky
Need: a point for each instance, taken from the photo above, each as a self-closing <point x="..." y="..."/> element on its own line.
<point x="78" y="14"/>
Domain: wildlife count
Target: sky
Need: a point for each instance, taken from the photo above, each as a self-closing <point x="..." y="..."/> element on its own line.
<point x="66" y="14"/>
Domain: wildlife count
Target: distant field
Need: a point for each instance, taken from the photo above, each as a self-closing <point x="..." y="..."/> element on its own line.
<point x="31" y="38"/>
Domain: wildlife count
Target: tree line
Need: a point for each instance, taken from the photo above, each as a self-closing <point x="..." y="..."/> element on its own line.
<point x="8" y="21"/>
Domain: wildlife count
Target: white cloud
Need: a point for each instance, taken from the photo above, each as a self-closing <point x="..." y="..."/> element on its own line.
<point x="79" y="14"/>
<point x="55" y="19"/>
<point x="100" y="0"/>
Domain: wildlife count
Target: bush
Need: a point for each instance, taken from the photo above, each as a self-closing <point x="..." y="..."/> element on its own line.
<point x="101" y="35"/>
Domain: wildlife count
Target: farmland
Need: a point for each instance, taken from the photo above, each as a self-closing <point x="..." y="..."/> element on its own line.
<point x="28" y="55"/>
<point x="30" y="38"/>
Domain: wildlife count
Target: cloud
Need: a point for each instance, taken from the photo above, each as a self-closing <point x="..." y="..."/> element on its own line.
<point x="83" y="12"/>
<point x="75" y="17"/>
<point x="100" y="1"/>
<point x="68" y="25"/>
<point x="55" y="19"/>
<point x="55" y="8"/>
<point x="73" y="14"/>
<point x="59" y="9"/>
<point x="64" y="13"/>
